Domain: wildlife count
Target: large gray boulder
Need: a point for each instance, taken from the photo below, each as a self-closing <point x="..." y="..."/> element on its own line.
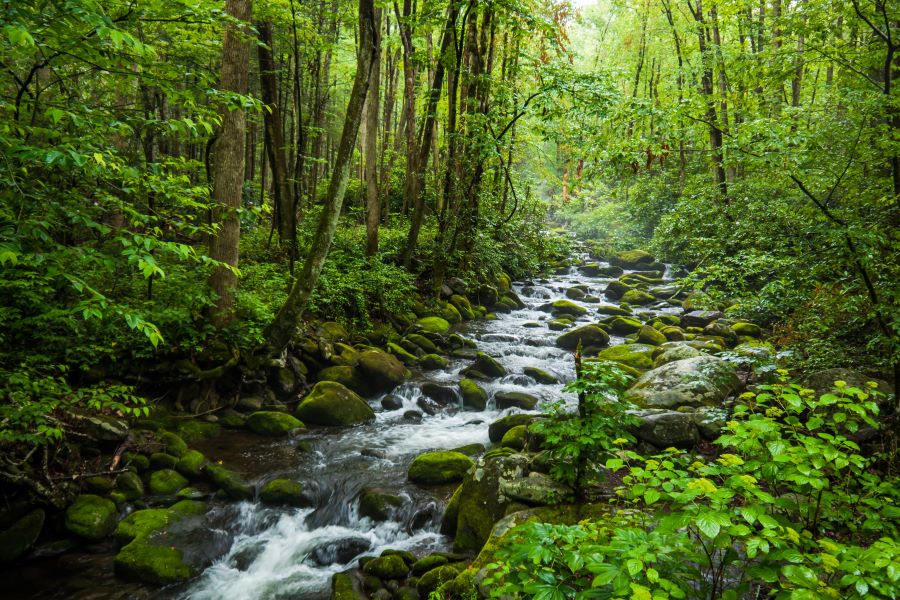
<point x="698" y="381"/>
<point x="667" y="428"/>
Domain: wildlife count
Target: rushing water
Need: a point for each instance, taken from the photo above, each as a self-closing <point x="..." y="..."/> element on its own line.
<point x="251" y="551"/>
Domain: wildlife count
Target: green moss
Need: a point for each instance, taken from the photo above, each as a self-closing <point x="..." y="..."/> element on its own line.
<point x="378" y="505"/>
<point x="540" y="375"/>
<point x="228" y="481"/>
<point x="173" y="443"/>
<point x="484" y="363"/>
<point x="286" y="492"/>
<point x="433" y="325"/>
<point x="434" y="468"/>
<point x="473" y="395"/>
<point x="639" y="297"/>
<point x="342" y="588"/>
<point x="450" y="313"/>
<point x="192" y="430"/>
<point x="434" y="578"/>
<point x="387" y="567"/>
<point x="748" y="329"/>
<point x="91" y="517"/>
<point x="422" y="343"/>
<point x="142" y="523"/>
<point x="432" y="561"/>
<point x="160" y="565"/>
<point x="130" y="485"/>
<point x="462" y="305"/>
<point x="566" y="307"/>
<point x="272" y="423"/>
<point x="498" y="428"/>
<point x="405" y="357"/>
<point x="433" y="361"/>
<point x="624" y="325"/>
<point x="381" y="371"/>
<point x="332" y="404"/>
<point x="166" y="481"/>
<point x="588" y="335"/>
<point x="191" y="464"/>
<point x="637" y="356"/>
<point x="514" y="438"/>
<point x="649" y="335"/>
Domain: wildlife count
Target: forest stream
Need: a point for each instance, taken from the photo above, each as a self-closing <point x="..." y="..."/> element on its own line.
<point x="251" y="551"/>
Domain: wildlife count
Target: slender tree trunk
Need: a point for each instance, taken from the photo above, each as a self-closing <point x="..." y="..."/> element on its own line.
<point x="409" y="100"/>
<point x="228" y="163"/>
<point x="373" y="205"/>
<point x="279" y="333"/>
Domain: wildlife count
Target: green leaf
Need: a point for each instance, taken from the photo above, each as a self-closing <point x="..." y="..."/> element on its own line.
<point x="708" y="523"/>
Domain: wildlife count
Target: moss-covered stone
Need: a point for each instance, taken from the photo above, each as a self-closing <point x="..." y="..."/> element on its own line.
<point x="638" y="297"/>
<point x="473" y="395"/>
<point x="160" y="565"/>
<point x="423" y="343"/>
<point x="99" y="484"/>
<point x="488" y="365"/>
<point x="272" y="423"/>
<point x="624" y="325"/>
<point x="173" y="443"/>
<point x="130" y="484"/>
<point x="346" y="375"/>
<point x="449" y="313"/>
<point x="616" y="289"/>
<point x="699" y="381"/>
<point x="191" y="464"/>
<point x="434" y="578"/>
<point x="142" y="523"/>
<point x="378" y="505"/>
<point x="558" y="324"/>
<point x="613" y="310"/>
<point x="514" y="438"/>
<point x="515" y="400"/>
<point x="21" y="535"/>
<point x="498" y="428"/>
<point x="435" y="468"/>
<point x="91" y="517"/>
<point x="283" y="492"/>
<point x="632" y="259"/>
<point x="166" y="482"/>
<point x="564" y="307"/>
<point x="540" y="375"/>
<point x="433" y="361"/>
<point x="649" y="335"/>
<point x="673" y="353"/>
<point x="387" y="567"/>
<point x="673" y="333"/>
<point x="381" y="371"/>
<point x="332" y="404"/>
<point x="589" y="335"/>
<point x="342" y="588"/>
<point x="228" y="481"/>
<point x="141" y="462"/>
<point x="427" y="563"/>
<point x="463" y="306"/>
<point x="407" y="358"/>
<point x="163" y="460"/>
<point x="748" y="329"/>
<point x="433" y="325"/>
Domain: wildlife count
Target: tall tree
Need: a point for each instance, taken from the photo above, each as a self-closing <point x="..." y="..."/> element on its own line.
<point x="228" y="161"/>
<point x="373" y="203"/>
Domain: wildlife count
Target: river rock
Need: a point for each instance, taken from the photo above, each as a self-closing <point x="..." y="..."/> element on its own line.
<point x="515" y="400"/>
<point x="422" y="342"/>
<point x="463" y="306"/>
<point x="632" y="259"/>
<point x="272" y="423"/>
<point x="756" y="350"/>
<point x="575" y="294"/>
<point x="434" y="578"/>
<point x="596" y="270"/>
<point x="667" y="428"/>
<point x="433" y="362"/>
<point x="379" y="505"/>
<point x="21" y="535"/>
<point x="589" y="335"/>
<point x="673" y="333"/>
<point x="536" y="490"/>
<point x="435" y="468"/>
<point x="433" y="325"/>
<point x="346" y="375"/>
<point x="514" y="438"/>
<point x="342" y="588"/>
<point x="747" y="329"/>
<point x="540" y="375"/>
<point x="340" y="551"/>
<point x="638" y="297"/>
<point x="102" y="428"/>
<point x="613" y="310"/>
<point x="616" y="289"/>
<point x="700" y="318"/>
<point x="332" y="404"/>
<point x="407" y="358"/>
<point x="166" y="482"/>
<point x="649" y="335"/>
<point x="498" y="428"/>
<point x="673" y="353"/>
<point x="699" y="381"/>
<point x="91" y="517"/>
<point x="720" y="330"/>
<point x="428" y="406"/>
<point x="427" y="563"/>
<point x="624" y="325"/>
<point x="392" y="402"/>
<point x="228" y="481"/>
<point x="381" y="370"/>
<point x="636" y="356"/>
<point x="564" y="307"/>
<point x="473" y="395"/>
<point x="442" y="394"/>
<point x="130" y="485"/>
<point x="284" y="492"/>
<point x="487" y="365"/>
<point x="387" y="567"/>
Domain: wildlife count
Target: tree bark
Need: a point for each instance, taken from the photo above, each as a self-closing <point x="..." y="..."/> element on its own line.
<point x="373" y="204"/>
<point x="279" y="333"/>
<point x="228" y="163"/>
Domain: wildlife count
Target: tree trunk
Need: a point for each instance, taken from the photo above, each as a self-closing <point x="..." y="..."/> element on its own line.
<point x="279" y="333"/>
<point x="373" y="205"/>
<point x="228" y="164"/>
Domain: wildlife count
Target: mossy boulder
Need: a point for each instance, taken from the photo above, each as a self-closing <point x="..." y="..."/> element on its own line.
<point x="515" y="400"/>
<point x="649" y="335"/>
<point x="637" y="356"/>
<point x="540" y="375"/>
<point x="632" y="259"/>
<point x="387" y="567"/>
<point x="498" y="428"/>
<point x="433" y="362"/>
<point x="613" y="310"/>
<point x="673" y="353"/>
<point x="536" y="490"/>
<point x="272" y="424"/>
<point x="163" y="460"/>
<point x="433" y="325"/>
<point x="559" y="324"/>
<point x="283" y="492"/>
<point x="434" y="578"/>
<point x="159" y="565"/>
<point x="228" y="481"/>
<point x="91" y="517"/>
<point x="564" y="307"/>
<point x="700" y="318"/>
<point x="422" y="342"/>
<point x="21" y="535"/>
<point x="435" y="468"/>
<point x="589" y="335"/>
<point x="379" y="505"/>
<point x="174" y="444"/>
<point x="463" y="306"/>
<point x="346" y="375"/>
<point x="488" y="365"/>
<point x="407" y="358"/>
<point x="748" y="329"/>
<point x="473" y="395"/>
<point x="692" y="382"/>
<point x="666" y="428"/>
<point x="130" y="484"/>
<point x="575" y="293"/>
<point x="673" y="333"/>
<point x="450" y="313"/>
<point x="342" y="588"/>
<point x="427" y="563"/>
<point x="616" y="289"/>
<point x="514" y="438"/>
<point x="382" y="371"/>
<point x="332" y="404"/>
<point x="638" y="297"/>
<point x="624" y="325"/>
<point x="166" y="482"/>
<point x="191" y="464"/>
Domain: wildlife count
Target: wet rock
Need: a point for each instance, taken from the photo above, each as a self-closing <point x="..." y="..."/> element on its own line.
<point x="342" y="588"/>
<point x="373" y="453"/>
<point x="536" y="490"/>
<point x="450" y="313"/>
<point x="564" y="308"/>
<point x="433" y="362"/>
<point x="540" y="375"/>
<point x="589" y="335"/>
<point x="757" y="351"/>
<point x="332" y="404"/>
<point x="387" y="567"/>
<point x="558" y="324"/>
<point x="616" y="289"/>
<point x="613" y="310"/>
<point x="435" y="468"/>
<point x="637" y="356"/>
<point x="166" y="482"/>
<point x="413" y="416"/>
<point x="649" y="335"/>
<point x="407" y="358"/>
<point x="161" y="460"/>
<point x="699" y="381"/>
<point x="638" y="297"/>
<point x="498" y="428"/>
<point x="473" y="395"/>
<point x="721" y="331"/>
<point x="442" y="394"/>
<point x="575" y="293"/>
<point x="632" y="259"/>
<point x="130" y="484"/>
<point x="427" y="563"/>
<point x="666" y="428"/>
<point x="392" y="402"/>
<point x="515" y="400"/>
<point x="379" y="505"/>
<point x="422" y="342"/>
<point x="340" y="552"/>
<point x="434" y="578"/>
<point x="463" y="306"/>
<point x="159" y="565"/>
<point x="488" y="365"/>
<point x="272" y="423"/>
<point x="345" y="375"/>
<point x="381" y="370"/>
<point x="470" y="449"/>
<point x="672" y="333"/>
<point x="91" y="517"/>
<point x="228" y="481"/>
<point x="624" y="325"/>
<point x="284" y="492"/>
<point x="514" y="438"/>
<point x="21" y="535"/>
<point x="700" y="318"/>
<point x="100" y="427"/>
<point x="433" y="325"/>
<point x="596" y="270"/>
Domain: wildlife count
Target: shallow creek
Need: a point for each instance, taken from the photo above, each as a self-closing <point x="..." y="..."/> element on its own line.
<point x="254" y="552"/>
